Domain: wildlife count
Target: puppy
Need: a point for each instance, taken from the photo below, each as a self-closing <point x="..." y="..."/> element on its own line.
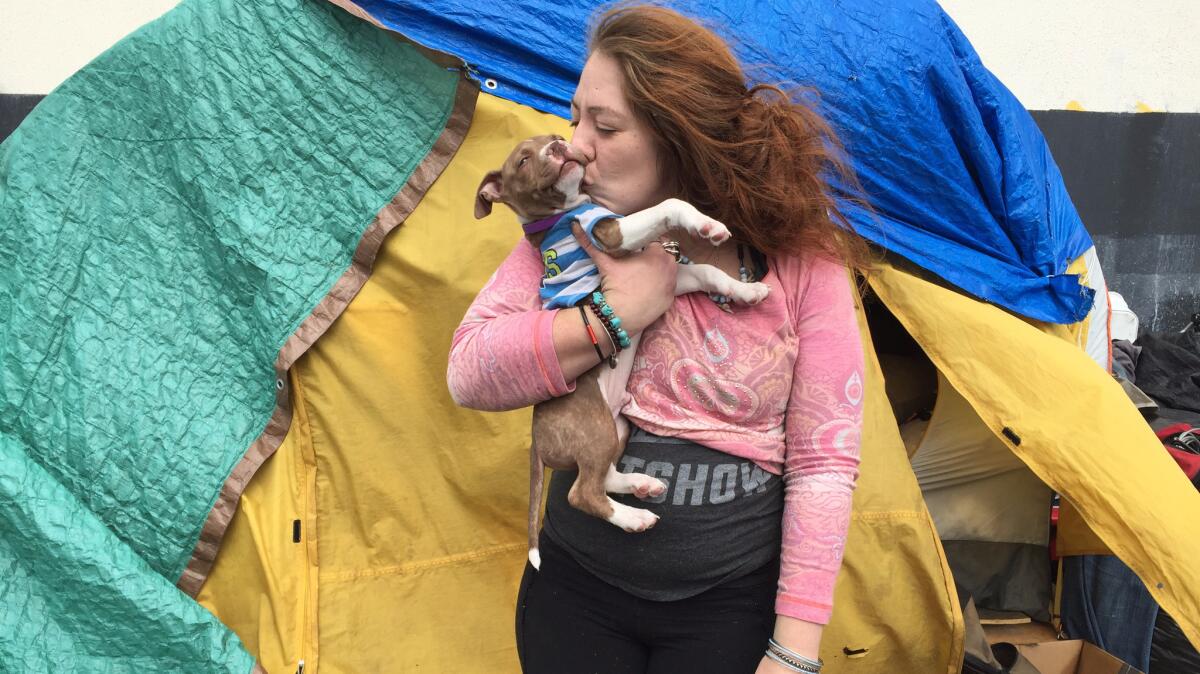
<point x="540" y="181"/>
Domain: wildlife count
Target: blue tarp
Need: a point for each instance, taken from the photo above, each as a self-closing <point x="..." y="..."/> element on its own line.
<point x="961" y="179"/>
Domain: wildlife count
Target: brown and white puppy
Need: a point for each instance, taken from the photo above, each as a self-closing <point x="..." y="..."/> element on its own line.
<point x="584" y="429"/>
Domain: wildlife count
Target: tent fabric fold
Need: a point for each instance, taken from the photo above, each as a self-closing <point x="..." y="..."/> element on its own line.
<point x="1111" y="467"/>
<point x="322" y="316"/>
<point x="178" y="222"/>
<point x="411" y="509"/>
<point x="74" y="597"/>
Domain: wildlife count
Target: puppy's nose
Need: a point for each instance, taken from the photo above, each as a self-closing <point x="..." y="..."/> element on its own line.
<point x="557" y="148"/>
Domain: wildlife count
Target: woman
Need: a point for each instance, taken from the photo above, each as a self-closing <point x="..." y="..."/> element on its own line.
<point x="751" y="414"/>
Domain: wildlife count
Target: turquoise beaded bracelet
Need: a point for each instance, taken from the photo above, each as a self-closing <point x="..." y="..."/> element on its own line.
<point x="609" y="318"/>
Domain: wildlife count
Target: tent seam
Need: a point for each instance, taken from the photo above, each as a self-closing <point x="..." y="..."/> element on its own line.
<point x="414" y="567"/>
<point x="317" y="323"/>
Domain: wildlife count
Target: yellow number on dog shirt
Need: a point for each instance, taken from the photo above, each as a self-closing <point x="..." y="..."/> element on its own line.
<point x="548" y="259"/>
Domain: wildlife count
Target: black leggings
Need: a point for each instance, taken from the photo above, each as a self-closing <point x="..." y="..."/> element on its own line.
<point x="570" y="622"/>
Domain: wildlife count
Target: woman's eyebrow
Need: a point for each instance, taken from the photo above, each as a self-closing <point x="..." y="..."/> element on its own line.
<point x="596" y="109"/>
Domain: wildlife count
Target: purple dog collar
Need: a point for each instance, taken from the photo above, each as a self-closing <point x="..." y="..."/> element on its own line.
<point x="539" y="226"/>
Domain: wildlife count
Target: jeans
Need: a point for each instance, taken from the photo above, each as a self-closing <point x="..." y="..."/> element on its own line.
<point x="1104" y="602"/>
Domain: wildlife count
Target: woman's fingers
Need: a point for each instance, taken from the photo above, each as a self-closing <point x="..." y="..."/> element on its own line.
<point x="584" y="240"/>
<point x="641" y="286"/>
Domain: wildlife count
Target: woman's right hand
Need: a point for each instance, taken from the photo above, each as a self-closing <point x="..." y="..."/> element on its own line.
<point x="639" y="287"/>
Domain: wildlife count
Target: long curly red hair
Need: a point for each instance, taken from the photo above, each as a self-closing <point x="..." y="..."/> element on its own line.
<point x="756" y="158"/>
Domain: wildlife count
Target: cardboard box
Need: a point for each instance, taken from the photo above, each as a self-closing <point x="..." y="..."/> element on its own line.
<point x="1073" y="657"/>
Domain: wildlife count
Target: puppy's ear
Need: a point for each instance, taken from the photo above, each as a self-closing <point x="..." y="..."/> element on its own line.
<point x="490" y="190"/>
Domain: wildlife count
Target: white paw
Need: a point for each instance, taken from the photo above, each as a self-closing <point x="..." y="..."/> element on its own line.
<point x="535" y="558"/>
<point x="713" y="231"/>
<point x="644" y="486"/>
<point x="638" y="484"/>
<point x="699" y="224"/>
<point x="749" y="293"/>
<point x="632" y="519"/>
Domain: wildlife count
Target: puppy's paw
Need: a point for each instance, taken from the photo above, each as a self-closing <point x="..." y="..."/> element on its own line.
<point x="644" y="486"/>
<point x="690" y="219"/>
<point x="715" y="232"/>
<point x="632" y="520"/>
<point x="638" y="484"/>
<point x="750" y="293"/>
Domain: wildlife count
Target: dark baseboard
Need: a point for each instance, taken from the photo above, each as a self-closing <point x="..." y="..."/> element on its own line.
<point x="13" y="109"/>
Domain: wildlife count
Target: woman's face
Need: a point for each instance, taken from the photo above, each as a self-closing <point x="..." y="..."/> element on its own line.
<point x="623" y="172"/>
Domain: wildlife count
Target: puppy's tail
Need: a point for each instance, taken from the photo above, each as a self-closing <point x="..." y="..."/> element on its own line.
<point x="537" y="470"/>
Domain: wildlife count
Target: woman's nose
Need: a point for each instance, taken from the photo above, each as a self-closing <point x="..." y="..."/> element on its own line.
<point x="582" y="140"/>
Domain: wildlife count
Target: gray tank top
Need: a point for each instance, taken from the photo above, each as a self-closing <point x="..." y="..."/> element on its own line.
<point x="720" y="520"/>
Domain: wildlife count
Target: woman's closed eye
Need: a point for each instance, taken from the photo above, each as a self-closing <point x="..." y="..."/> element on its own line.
<point x="600" y="129"/>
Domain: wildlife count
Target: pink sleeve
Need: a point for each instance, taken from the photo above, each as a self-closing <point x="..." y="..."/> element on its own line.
<point x="502" y="356"/>
<point x="822" y="430"/>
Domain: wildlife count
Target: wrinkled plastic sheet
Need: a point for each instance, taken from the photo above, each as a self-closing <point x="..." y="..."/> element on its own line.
<point x="1170" y="651"/>
<point x="168" y="217"/>
<point x="961" y="179"/>
<point x="1168" y="368"/>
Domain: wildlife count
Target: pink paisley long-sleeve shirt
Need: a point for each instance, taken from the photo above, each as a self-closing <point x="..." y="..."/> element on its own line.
<point x="779" y="383"/>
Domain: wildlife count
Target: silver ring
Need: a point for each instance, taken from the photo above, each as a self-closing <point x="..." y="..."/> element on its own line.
<point x="671" y="247"/>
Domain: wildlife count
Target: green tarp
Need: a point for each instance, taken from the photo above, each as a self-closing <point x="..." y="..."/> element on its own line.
<point x="168" y="218"/>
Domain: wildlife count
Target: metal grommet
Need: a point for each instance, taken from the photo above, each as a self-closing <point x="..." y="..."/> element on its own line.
<point x="490" y="83"/>
<point x="279" y="384"/>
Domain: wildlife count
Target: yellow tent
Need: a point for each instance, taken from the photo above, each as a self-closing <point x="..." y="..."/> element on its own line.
<point x="409" y="511"/>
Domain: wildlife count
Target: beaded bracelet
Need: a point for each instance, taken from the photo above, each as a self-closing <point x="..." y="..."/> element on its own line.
<point x="615" y="349"/>
<point x="609" y="318"/>
<point x="612" y="360"/>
